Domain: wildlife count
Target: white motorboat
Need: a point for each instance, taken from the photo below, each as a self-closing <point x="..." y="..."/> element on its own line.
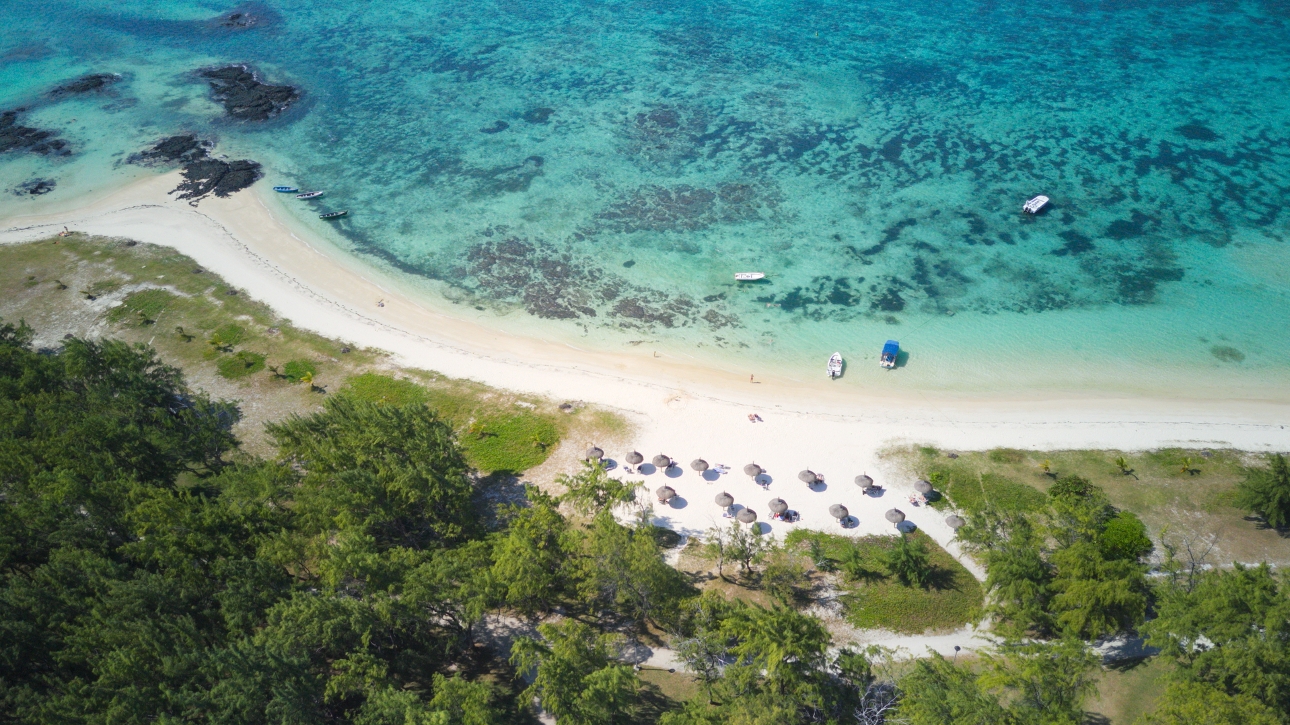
<point x="1034" y="205"/>
<point x="749" y="276"/>
<point x="835" y="365"/>
<point x="309" y="195"/>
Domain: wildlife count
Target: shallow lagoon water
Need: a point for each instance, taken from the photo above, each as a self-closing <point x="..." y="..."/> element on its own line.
<point x="596" y="172"/>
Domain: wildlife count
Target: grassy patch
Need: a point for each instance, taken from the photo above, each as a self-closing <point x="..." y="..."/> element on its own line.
<point x="971" y="490"/>
<point x="873" y="599"/>
<point x="40" y="281"/>
<point x="514" y="442"/>
<point x="240" y="365"/>
<point x="1125" y="693"/>
<point x="296" y="370"/>
<point x="1175" y="491"/>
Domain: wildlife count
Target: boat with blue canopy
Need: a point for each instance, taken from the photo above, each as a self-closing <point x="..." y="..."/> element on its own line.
<point x="285" y="189"/>
<point x="890" y="351"/>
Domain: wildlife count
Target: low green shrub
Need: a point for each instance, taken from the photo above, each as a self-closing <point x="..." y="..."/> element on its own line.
<point x="296" y="370"/>
<point x="240" y="365"/>
<point x="384" y="389"/>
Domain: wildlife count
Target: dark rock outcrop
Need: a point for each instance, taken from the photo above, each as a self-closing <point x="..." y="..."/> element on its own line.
<point x="85" y="84"/>
<point x="244" y="97"/>
<point x="35" y="187"/>
<point x="497" y="127"/>
<point x="16" y="137"/>
<point x="184" y="148"/>
<point x="213" y="176"/>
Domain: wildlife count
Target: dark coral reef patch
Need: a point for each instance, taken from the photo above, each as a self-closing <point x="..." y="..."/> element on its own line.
<point x="556" y="284"/>
<point x="244" y="96"/>
<point x="687" y="208"/>
<point x="86" y="84"/>
<point x="16" y="137"/>
<point x="183" y="148"/>
<point x="218" y="177"/>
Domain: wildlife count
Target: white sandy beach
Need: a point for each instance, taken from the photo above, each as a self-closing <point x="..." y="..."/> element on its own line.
<point x="680" y="408"/>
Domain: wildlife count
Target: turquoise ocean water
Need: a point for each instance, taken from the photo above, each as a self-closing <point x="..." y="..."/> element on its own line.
<point x="597" y="171"/>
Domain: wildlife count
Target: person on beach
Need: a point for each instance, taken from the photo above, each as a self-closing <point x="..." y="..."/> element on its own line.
<point x="750" y="378"/>
<point x="751" y="419"/>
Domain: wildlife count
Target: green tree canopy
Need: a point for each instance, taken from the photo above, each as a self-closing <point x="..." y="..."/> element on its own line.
<point x="1266" y="492"/>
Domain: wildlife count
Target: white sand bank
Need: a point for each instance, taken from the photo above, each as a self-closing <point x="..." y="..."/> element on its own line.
<point x="682" y="409"/>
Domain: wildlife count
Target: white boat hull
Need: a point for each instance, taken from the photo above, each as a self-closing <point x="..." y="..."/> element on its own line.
<point x="835" y="365"/>
<point x="749" y="276"/>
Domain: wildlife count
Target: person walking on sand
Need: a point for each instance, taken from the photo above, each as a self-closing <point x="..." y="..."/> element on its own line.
<point x="750" y="378"/>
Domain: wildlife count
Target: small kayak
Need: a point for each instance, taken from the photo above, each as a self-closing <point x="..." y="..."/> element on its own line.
<point x="835" y="365"/>
<point x="333" y="214"/>
<point x="749" y="276"/>
<point x="309" y="195"/>
<point x="286" y="189"/>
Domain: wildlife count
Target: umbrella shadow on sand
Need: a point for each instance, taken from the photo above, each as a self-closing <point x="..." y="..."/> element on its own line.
<point x="818" y="486"/>
<point x="764" y="480"/>
<point x="646" y="469"/>
<point x="674" y="472"/>
<point x="907" y="527"/>
<point x="761" y="527"/>
<point x="710" y="475"/>
<point x="677" y="502"/>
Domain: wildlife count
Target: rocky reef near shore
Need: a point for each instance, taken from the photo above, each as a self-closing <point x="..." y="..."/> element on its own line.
<point x="16" y="137"/>
<point x="203" y="174"/>
<point x="85" y="84"/>
<point x="35" y="187"/>
<point x="244" y="96"/>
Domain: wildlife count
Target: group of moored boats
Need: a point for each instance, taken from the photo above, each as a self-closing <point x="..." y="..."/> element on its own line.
<point x="886" y="359"/>
<point x="310" y="195"/>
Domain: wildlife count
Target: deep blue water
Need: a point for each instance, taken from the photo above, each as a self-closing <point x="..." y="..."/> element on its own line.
<point x="606" y="166"/>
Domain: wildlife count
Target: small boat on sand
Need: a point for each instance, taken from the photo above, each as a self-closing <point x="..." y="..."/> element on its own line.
<point x="333" y="214"/>
<point x="835" y="365"/>
<point x="749" y="276"/>
<point x="309" y="195"/>
<point x="890" y="352"/>
<point x="1034" y="205"/>
<point x="286" y="189"/>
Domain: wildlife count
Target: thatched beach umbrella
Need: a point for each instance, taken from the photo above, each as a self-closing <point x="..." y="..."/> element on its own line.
<point x="808" y="476"/>
<point x="954" y="522"/>
<point x="752" y="469"/>
<point x="699" y="465"/>
<point x="864" y="481"/>
<point x="777" y="505"/>
<point x="665" y="493"/>
<point x="724" y="500"/>
<point x="895" y="516"/>
<point x="923" y="487"/>
<point x="635" y="458"/>
<point x="838" y="511"/>
<point x="746" y="516"/>
<point x="595" y="454"/>
<point x="662" y="462"/>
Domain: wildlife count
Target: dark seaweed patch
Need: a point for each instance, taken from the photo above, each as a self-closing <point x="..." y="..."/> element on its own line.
<point x="1122" y="229"/>
<point x="888" y="301"/>
<point x="85" y="84"/>
<point x="538" y="115"/>
<point x="497" y="127"/>
<point x="686" y="208"/>
<point x="35" y="187"/>
<point x="1227" y="353"/>
<point x="213" y="176"/>
<point x="183" y="148"/>
<point x="1197" y="132"/>
<point x="1076" y="244"/>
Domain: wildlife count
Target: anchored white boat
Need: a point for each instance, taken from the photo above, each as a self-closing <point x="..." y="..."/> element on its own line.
<point x="1034" y="205"/>
<point x="749" y="276"/>
<point x="309" y="195"/>
<point x="835" y="365"/>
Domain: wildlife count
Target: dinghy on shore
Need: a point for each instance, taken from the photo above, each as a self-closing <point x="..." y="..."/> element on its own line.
<point x="309" y="195"/>
<point x="286" y="189"/>
<point x="835" y="365"/>
<point x="749" y="276"/>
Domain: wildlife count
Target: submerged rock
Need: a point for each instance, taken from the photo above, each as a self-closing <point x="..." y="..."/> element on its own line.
<point x="245" y="97"/>
<point x="35" y="187"/>
<point x="85" y="84"/>
<point x="497" y="127"/>
<point x="15" y="137"/>
<point x="213" y="176"/>
<point x="184" y="148"/>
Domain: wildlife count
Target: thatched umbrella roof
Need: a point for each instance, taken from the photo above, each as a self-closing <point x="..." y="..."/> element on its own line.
<point x="724" y="499"/>
<point x="752" y="469"/>
<point x="665" y="493"/>
<point x="864" y="481"/>
<point x="595" y="454"/>
<point x="895" y="516"/>
<point x="808" y="476"/>
<point x="777" y="505"/>
<point x="746" y="516"/>
<point x="699" y="465"/>
<point x="954" y="521"/>
<point x="662" y="461"/>
<point x="838" y="511"/>
<point x="923" y="487"/>
<point x="635" y="458"/>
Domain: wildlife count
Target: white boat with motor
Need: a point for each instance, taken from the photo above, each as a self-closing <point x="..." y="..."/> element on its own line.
<point x="749" y="276"/>
<point x="835" y="365"/>
<point x="309" y="195"/>
<point x="1034" y="205"/>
